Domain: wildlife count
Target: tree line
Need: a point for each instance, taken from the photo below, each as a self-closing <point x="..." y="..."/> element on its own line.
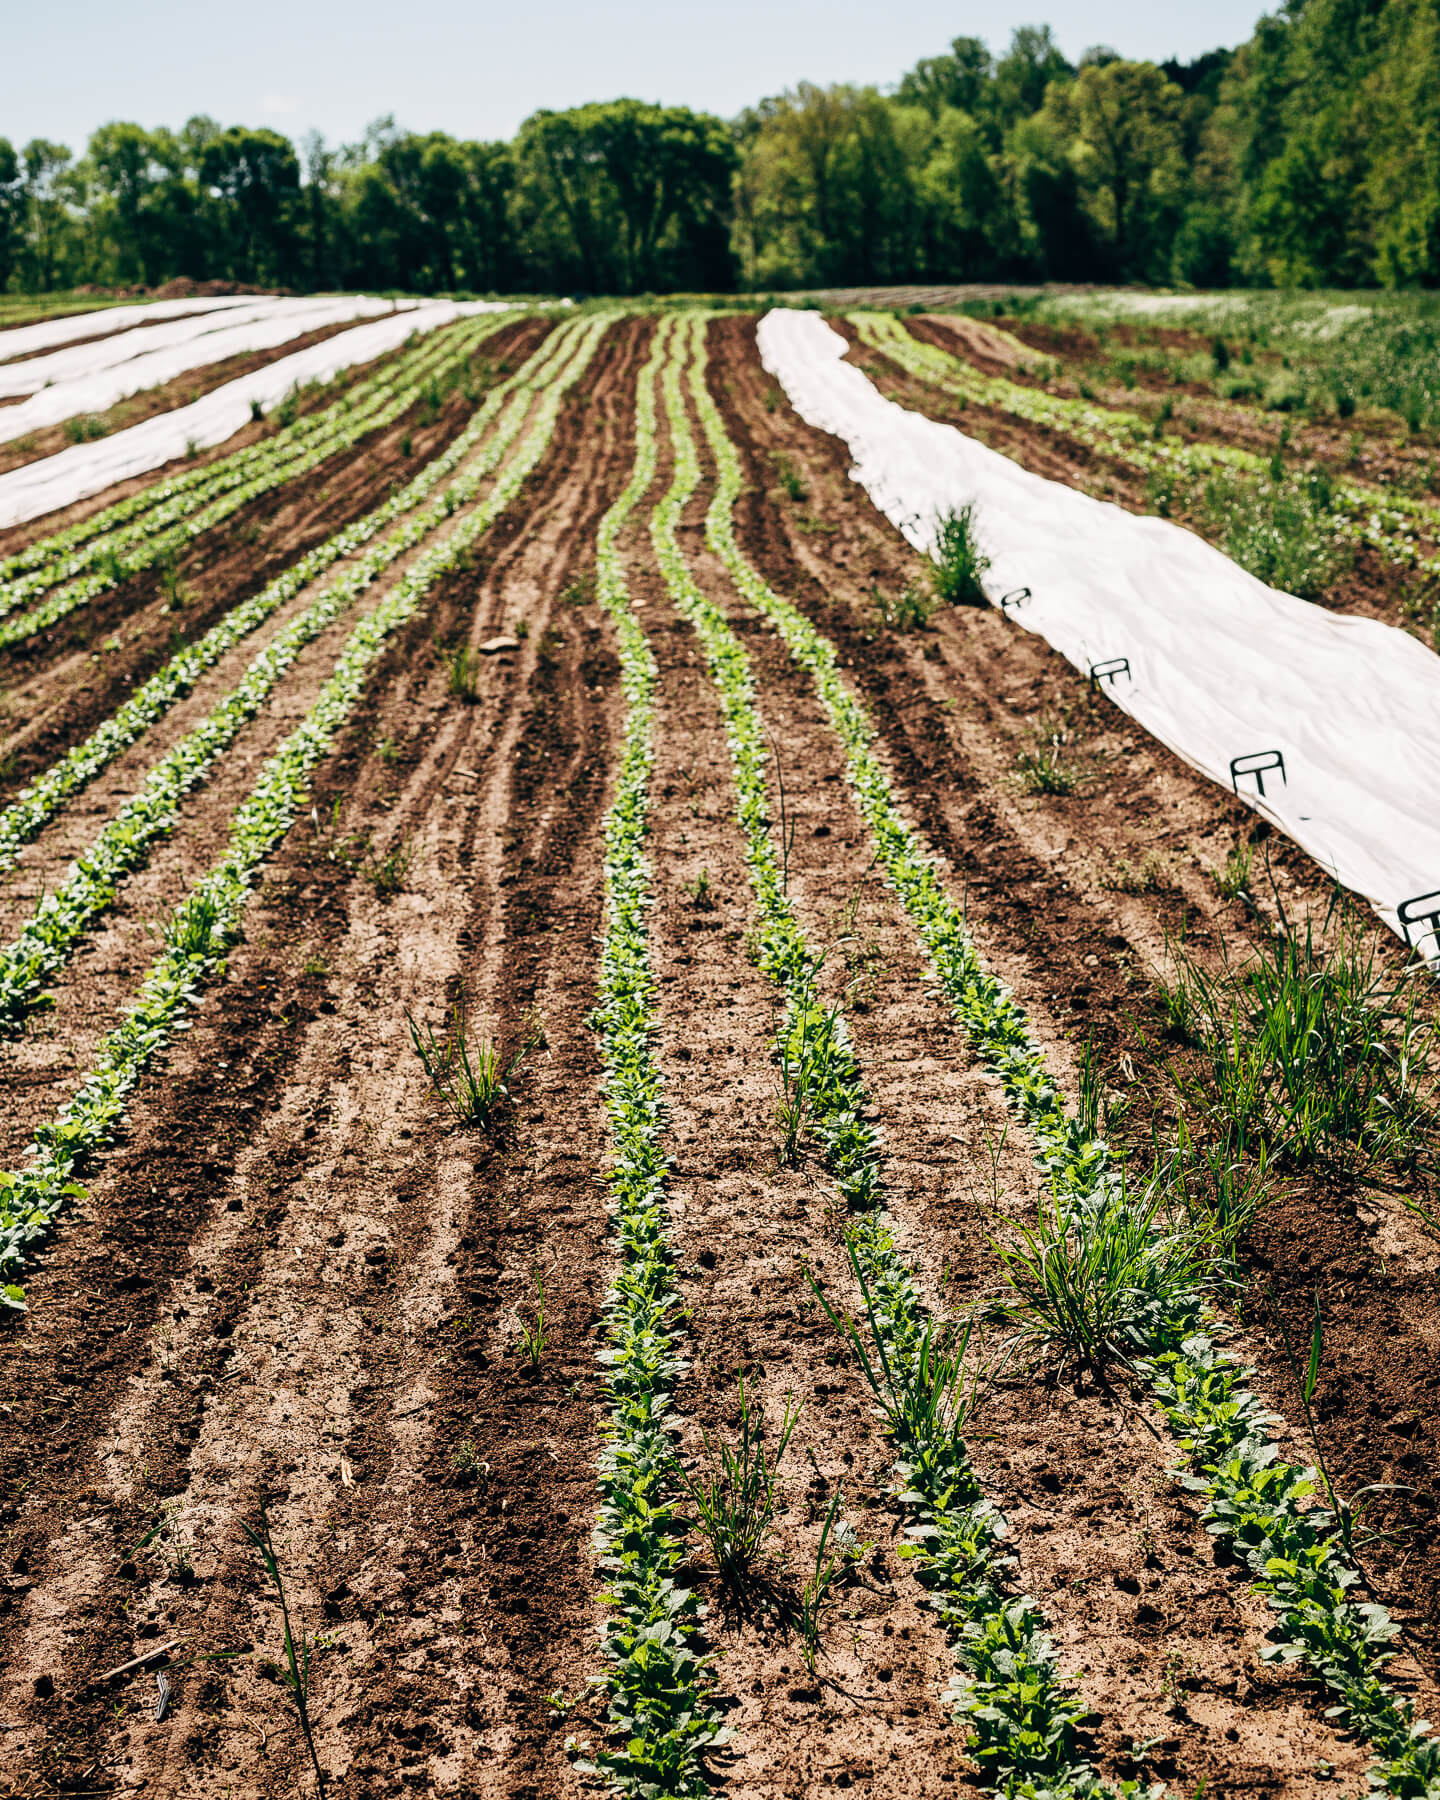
<point x="1307" y="156"/>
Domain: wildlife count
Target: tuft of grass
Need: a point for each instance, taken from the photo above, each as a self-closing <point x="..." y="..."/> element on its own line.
<point x="1045" y="765"/>
<point x="84" y="428"/>
<point x="386" y="873"/>
<point x="1313" y="1049"/>
<point x="735" y="1495"/>
<point x="792" y="482"/>
<point x="469" y="1074"/>
<point x="1234" y="879"/>
<point x="532" y="1336"/>
<point x="1092" y="1281"/>
<point x="960" y="563"/>
<point x="462" y="675"/>
<point x="911" y="610"/>
<point x="1144" y="875"/>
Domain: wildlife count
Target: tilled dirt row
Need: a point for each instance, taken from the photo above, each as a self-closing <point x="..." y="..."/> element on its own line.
<point x="61" y="683"/>
<point x="1046" y="882"/>
<point x="295" y="1268"/>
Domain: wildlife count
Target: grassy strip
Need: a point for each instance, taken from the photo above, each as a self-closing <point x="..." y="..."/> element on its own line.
<point x="48" y="938"/>
<point x="37" y="804"/>
<point x="1254" y="1501"/>
<point x="655" y="1666"/>
<point x="207" y="920"/>
<point x="1022" y="1717"/>
<point x="1343" y="510"/>
<point x="156" y="540"/>
<point x="164" y="502"/>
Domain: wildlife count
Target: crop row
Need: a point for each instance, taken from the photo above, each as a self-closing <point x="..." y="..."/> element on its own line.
<point x="1387" y="522"/>
<point x="1254" y="1501"/>
<point x="164" y="531"/>
<point x="37" y="804"/>
<point x="655" y="1662"/>
<point x="207" y="920"/>
<point x="62" y="918"/>
<point x="294" y="433"/>
<point x="1020" y="1714"/>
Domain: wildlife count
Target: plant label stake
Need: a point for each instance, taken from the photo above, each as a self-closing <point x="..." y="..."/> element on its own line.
<point x="1256" y="763"/>
<point x="1109" y="671"/>
<point x="1421" y="910"/>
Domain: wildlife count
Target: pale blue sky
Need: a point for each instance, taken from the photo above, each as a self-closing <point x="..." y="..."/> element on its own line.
<point x="477" y="69"/>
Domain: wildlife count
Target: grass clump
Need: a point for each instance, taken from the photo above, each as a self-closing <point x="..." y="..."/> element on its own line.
<point x="1313" y="1050"/>
<point x="792" y="483"/>
<point x="910" y="610"/>
<point x="960" y="563"/>
<point x="469" y="1074"/>
<point x="735" y="1495"/>
<point x="462" y="675"/>
<point x="1046" y="765"/>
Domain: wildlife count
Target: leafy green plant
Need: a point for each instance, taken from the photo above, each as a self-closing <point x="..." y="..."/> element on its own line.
<point x="960" y="563"/>
<point x="296" y="1671"/>
<point x="734" y="1495"/>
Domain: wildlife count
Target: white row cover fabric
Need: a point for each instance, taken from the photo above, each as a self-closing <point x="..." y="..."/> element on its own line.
<point x="93" y="393"/>
<point x="26" y="340"/>
<point x="84" y="469"/>
<point x="1221" y="668"/>
<point x="36" y="372"/>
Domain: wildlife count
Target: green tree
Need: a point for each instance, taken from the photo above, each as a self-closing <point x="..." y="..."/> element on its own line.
<point x="255" y="175"/>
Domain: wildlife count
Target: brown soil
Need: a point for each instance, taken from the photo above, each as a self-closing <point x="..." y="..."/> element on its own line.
<point x="343" y="1380"/>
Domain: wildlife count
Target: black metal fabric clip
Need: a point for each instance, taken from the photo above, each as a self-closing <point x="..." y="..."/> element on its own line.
<point x="1107" y="671"/>
<point x="1016" y="597"/>
<point x="1256" y="763"/>
<point x="1421" y="909"/>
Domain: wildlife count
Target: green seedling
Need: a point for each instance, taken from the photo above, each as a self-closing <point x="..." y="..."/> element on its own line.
<point x="296" y="1672"/>
<point x="735" y="1494"/>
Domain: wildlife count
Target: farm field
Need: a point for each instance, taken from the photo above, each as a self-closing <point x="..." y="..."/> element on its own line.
<point x="740" y="1180"/>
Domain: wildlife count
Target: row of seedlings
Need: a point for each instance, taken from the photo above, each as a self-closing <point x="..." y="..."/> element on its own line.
<point x="655" y="1674"/>
<point x="36" y="805"/>
<point x="48" y="938"/>
<point x="166" y="531"/>
<point x="1258" y="1504"/>
<point x="1021" y="1716"/>
<point x="1385" y="521"/>
<point x="122" y="525"/>
<point x="207" y="921"/>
